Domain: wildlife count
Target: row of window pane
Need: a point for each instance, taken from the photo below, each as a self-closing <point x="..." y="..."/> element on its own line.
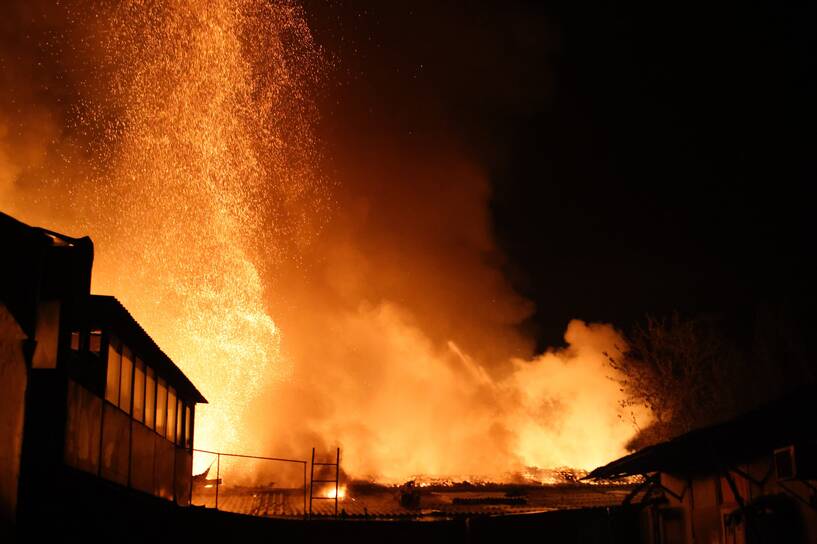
<point x="131" y="383"/>
<point x="94" y="341"/>
<point x="139" y="391"/>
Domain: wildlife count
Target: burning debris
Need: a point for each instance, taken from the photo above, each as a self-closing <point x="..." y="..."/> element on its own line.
<point x="202" y="481"/>
<point x="409" y="495"/>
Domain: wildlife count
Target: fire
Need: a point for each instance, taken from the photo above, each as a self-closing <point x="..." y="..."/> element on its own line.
<point x="188" y="152"/>
<point x="330" y="492"/>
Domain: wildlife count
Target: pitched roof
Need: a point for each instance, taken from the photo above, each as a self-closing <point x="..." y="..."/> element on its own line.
<point x="784" y="422"/>
<point x="108" y="311"/>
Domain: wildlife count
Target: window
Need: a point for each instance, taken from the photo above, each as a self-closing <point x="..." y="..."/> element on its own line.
<point x="126" y="379"/>
<point x="75" y="340"/>
<point x="171" y="414"/>
<point x="112" y="382"/>
<point x="161" y="407"/>
<point x="188" y="439"/>
<point x="95" y="341"/>
<point x="179" y="429"/>
<point x="139" y="390"/>
<point x="150" y="397"/>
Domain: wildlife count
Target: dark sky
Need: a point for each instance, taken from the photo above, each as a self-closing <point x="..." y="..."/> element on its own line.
<point x="643" y="158"/>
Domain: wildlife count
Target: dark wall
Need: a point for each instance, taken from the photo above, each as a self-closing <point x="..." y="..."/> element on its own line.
<point x="105" y="513"/>
<point x="38" y="267"/>
<point x="13" y="380"/>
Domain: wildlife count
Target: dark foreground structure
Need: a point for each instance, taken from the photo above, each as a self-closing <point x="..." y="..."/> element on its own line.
<point x="95" y="420"/>
<point x="749" y="480"/>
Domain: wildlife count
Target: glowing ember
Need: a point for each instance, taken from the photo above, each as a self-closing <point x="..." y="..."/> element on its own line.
<point x="330" y="492"/>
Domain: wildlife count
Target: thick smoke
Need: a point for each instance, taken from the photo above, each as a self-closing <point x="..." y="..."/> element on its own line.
<point x="360" y="306"/>
<point x="406" y="351"/>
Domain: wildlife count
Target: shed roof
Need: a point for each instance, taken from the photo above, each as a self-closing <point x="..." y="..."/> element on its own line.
<point x="108" y="311"/>
<point x="786" y="421"/>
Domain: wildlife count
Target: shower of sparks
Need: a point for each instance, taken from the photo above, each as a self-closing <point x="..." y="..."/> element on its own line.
<point x="213" y="129"/>
<point x="197" y="125"/>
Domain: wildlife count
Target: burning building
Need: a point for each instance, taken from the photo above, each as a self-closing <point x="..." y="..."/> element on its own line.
<point x="93" y="412"/>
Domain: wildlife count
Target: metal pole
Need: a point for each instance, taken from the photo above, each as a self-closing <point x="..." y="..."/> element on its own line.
<point x="337" y="479"/>
<point x="304" y="488"/>
<point x="218" y="475"/>
<point x="311" y="478"/>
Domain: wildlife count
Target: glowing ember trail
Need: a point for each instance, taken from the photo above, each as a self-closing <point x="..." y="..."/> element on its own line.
<point x="180" y="137"/>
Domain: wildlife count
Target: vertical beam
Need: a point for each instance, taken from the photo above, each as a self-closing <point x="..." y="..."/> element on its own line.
<point x="305" y="489"/>
<point x="218" y="475"/>
<point x="311" y="478"/>
<point x="337" y="480"/>
<point x="130" y="426"/>
<point x="104" y="352"/>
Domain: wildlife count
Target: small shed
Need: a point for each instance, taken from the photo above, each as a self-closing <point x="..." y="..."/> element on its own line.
<point x="749" y="479"/>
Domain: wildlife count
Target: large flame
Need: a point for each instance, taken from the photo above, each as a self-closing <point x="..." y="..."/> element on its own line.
<point x="180" y="136"/>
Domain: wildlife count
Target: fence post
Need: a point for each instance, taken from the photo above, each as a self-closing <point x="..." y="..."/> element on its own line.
<point x="304" y="489"/>
<point x="311" y="482"/>
<point x="337" y="481"/>
<point x="218" y="475"/>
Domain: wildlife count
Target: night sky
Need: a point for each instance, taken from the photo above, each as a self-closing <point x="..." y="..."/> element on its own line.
<point x="642" y="158"/>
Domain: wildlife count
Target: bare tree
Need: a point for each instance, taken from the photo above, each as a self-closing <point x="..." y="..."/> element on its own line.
<point x="683" y="370"/>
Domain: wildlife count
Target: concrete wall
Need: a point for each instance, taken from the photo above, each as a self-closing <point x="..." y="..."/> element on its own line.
<point x="13" y="380"/>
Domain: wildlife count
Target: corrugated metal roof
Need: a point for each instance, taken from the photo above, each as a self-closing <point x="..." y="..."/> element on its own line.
<point x="384" y="503"/>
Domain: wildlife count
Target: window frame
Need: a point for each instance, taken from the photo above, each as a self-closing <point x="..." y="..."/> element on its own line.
<point x="171" y="417"/>
<point x="138" y="393"/>
<point x="99" y="334"/>
<point x="114" y="346"/>
<point x="150" y="407"/>
<point x="161" y="386"/>
<point x="188" y="426"/>
<point x="128" y="403"/>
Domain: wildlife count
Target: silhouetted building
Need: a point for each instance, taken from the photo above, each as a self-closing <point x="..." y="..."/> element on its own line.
<point x="748" y="480"/>
<point x="92" y="412"/>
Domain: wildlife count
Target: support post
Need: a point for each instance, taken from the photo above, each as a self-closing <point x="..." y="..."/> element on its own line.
<point x="218" y="476"/>
<point x="311" y="478"/>
<point x="337" y="481"/>
<point x="305" y="514"/>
